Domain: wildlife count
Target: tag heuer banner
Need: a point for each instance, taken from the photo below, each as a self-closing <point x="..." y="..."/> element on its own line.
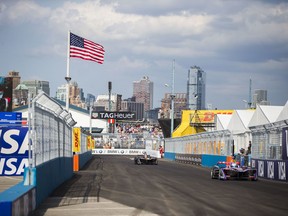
<point x="114" y="115"/>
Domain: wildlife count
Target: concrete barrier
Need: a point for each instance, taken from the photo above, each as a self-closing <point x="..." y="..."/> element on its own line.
<point x="18" y="200"/>
<point x="84" y="158"/>
<point x="170" y="155"/>
<point x="50" y="175"/>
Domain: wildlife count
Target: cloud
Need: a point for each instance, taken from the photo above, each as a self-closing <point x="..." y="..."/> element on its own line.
<point x="22" y="12"/>
<point x="230" y="40"/>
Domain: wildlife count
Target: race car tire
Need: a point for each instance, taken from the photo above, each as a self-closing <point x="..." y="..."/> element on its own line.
<point x="221" y="175"/>
<point x="212" y="174"/>
<point x="138" y="162"/>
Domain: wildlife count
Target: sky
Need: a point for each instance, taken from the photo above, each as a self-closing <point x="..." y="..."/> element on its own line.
<point x="232" y="41"/>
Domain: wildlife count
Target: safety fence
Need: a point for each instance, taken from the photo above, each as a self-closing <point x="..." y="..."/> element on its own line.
<point x="51" y="130"/>
<point x="269" y="149"/>
<point x="267" y="143"/>
<point x="216" y="143"/>
<point x="50" y="160"/>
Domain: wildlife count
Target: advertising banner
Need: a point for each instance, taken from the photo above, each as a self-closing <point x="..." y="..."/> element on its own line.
<point x="207" y="116"/>
<point x="89" y="142"/>
<point x="118" y="151"/>
<point x="10" y="117"/>
<point x="76" y="140"/>
<point x="114" y="115"/>
<point x="13" y="151"/>
<point x="6" y="94"/>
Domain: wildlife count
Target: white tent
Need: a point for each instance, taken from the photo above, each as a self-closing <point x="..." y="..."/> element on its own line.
<point x="222" y="121"/>
<point x="238" y="126"/>
<point x="239" y="121"/>
<point x="283" y="114"/>
<point x="264" y="115"/>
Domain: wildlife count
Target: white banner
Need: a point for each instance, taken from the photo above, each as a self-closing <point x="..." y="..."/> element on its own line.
<point x="118" y="151"/>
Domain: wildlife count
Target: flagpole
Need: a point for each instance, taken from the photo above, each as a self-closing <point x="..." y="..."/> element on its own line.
<point x="68" y="78"/>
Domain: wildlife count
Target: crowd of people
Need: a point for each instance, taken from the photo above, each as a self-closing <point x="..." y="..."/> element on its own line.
<point x="124" y="129"/>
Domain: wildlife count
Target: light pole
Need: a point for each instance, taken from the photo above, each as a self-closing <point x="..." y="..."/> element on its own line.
<point x="172" y="98"/>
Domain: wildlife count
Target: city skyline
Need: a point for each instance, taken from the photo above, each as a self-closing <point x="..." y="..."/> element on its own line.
<point x="232" y="42"/>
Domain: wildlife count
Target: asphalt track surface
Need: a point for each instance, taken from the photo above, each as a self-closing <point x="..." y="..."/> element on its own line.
<point x="114" y="185"/>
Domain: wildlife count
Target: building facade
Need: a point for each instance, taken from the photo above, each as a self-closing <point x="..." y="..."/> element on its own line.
<point x="196" y="89"/>
<point x="130" y="105"/>
<point x="143" y="92"/>
<point x="35" y="86"/>
<point x="180" y="101"/>
<point x="90" y="99"/>
<point x="76" y="94"/>
<point x="102" y="101"/>
<point x="16" y="79"/>
<point x="260" y="97"/>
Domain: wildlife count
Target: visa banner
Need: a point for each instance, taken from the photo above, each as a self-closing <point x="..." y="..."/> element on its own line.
<point x="13" y="150"/>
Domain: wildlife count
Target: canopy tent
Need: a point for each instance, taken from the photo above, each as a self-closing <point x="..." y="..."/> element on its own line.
<point x="240" y="120"/>
<point x="283" y="114"/>
<point x="265" y="115"/>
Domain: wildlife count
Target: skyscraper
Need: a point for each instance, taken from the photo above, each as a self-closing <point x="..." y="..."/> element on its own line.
<point x="260" y="97"/>
<point x="143" y="92"/>
<point x="196" y="88"/>
<point x="76" y="94"/>
<point x="35" y="86"/>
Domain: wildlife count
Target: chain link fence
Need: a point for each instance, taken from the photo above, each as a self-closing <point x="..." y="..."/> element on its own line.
<point x="267" y="143"/>
<point x="216" y="143"/>
<point x="50" y="130"/>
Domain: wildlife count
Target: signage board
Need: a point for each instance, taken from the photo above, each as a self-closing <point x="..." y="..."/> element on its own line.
<point x="113" y="115"/>
<point x="13" y="150"/>
<point x="10" y="117"/>
<point x="6" y="94"/>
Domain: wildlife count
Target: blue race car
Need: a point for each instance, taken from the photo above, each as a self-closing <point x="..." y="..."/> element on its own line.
<point x="232" y="170"/>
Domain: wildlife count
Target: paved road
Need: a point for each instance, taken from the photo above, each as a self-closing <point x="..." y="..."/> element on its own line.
<point x="9" y="181"/>
<point x="113" y="185"/>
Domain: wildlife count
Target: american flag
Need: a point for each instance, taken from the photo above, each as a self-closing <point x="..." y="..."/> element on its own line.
<point x="86" y="49"/>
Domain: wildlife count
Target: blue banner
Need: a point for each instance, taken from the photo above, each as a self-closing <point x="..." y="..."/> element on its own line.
<point x="13" y="150"/>
<point x="8" y="117"/>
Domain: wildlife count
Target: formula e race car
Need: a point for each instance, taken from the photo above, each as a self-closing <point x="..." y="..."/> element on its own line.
<point x="232" y="170"/>
<point x="145" y="159"/>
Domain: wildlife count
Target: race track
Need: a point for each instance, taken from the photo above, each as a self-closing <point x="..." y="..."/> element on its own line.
<point x="168" y="188"/>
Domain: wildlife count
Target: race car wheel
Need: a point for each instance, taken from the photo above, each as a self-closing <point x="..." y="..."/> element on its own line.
<point x="138" y="162"/>
<point x="212" y="174"/>
<point x="221" y="175"/>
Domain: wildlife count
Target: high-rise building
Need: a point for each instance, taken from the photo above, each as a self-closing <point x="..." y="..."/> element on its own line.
<point x="143" y="92"/>
<point x="196" y="88"/>
<point x="260" y="97"/>
<point x="180" y="101"/>
<point x="102" y="101"/>
<point x="90" y="99"/>
<point x="15" y="78"/>
<point x="61" y="93"/>
<point x="20" y="95"/>
<point x="76" y="94"/>
<point x="35" y="86"/>
<point x="130" y="105"/>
